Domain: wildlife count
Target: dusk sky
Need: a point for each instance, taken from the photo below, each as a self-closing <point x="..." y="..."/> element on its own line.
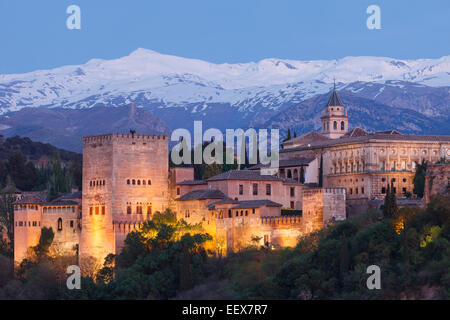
<point x="34" y="34"/>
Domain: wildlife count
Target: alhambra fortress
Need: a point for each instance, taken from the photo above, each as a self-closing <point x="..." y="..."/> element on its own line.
<point x="126" y="179"/>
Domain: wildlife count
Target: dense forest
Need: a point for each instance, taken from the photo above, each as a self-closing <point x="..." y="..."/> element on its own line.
<point x="34" y="166"/>
<point x="167" y="260"/>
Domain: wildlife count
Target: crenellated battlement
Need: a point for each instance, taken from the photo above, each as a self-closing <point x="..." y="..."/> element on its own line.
<point x="123" y="137"/>
<point x="311" y="191"/>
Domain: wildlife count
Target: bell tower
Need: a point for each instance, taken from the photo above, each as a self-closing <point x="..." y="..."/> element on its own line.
<point x="334" y="117"/>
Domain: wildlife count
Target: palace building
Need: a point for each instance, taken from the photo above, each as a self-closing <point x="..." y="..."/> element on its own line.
<point x="322" y="178"/>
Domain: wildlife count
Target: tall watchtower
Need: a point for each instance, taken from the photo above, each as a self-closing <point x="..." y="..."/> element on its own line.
<point x="125" y="180"/>
<point x="334" y="118"/>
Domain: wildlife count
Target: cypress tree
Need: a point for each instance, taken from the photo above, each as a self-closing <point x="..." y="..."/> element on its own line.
<point x="387" y="203"/>
<point x="321" y="171"/>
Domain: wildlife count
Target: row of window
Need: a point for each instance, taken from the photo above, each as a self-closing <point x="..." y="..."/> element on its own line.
<point x="140" y="210"/>
<point x="237" y="213"/>
<point x="383" y="190"/>
<point x="25" y="207"/>
<point x="393" y="165"/>
<point x="97" y="183"/>
<point x="139" y="182"/>
<point x="326" y="126"/>
<point x="358" y="167"/>
<point x="38" y="224"/>
<point x="97" y="210"/>
<point x="58" y="209"/>
<point x="393" y="180"/>
<point x="30" y="223"/>
<point x="255" y="189"/>
<point x="350" y="190"/>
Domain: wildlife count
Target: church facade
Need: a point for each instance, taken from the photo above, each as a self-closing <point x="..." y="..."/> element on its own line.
<point x="364" y="162"/>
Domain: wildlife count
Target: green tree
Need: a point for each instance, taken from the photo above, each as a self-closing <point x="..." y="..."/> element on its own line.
<point x="42" y="249"/>
<point x="419" y="179"/>
<point x="7" y="216"/>
<point x="321" y="171"/>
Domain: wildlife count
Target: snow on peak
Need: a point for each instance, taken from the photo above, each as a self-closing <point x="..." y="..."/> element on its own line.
<point x="175" y="79"/>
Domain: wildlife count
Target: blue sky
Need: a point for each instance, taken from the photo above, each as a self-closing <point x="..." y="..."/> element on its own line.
<point x="33" y="34"/>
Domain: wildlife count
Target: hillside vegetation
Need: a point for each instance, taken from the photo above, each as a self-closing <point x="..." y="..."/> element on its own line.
<point x="166" y="260"/>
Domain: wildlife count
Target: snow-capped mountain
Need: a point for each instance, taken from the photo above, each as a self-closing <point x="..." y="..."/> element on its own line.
<point x="269" y="93"/>
<point x="147" y="77"/>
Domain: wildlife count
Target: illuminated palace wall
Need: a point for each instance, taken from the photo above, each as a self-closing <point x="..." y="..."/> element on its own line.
<point x="125" y="180"/>
<point x="320" y="207"/>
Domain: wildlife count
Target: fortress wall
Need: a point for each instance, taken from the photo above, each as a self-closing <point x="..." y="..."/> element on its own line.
<point x="133" y="172"/>
<point x="437" y="180"/>
<point x="233" y="234"/>
<point x="25" y="233"/>
<point x="66" y="239"/>
<point x="97" y="236"/>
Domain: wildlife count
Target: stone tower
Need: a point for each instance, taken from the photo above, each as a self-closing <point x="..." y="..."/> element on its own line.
<point x="334" y="118"/>
<point x="125" y="180"/>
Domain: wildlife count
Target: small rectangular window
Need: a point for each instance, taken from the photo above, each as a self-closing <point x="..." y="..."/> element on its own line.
<point x="241" y="189"/>
<point x="149" y="209"/>
<point x="255" y="189"/>
<point x="139" y="209"/>
<point x="178" y="191"/>
<point x="71" y="223"/>
<point x="292" y="192"/>
<point x="97" y="210"/>
<point x="268" y="190"/>
<point x="103" y="210"/>
<point x="292" y="205"/>
<point x="91" y="211"/>
<point x="128" y="209"/>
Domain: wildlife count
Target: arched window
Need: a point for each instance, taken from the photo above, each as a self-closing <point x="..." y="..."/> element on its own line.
<point x="133" y="182"/>
<point x="103" y="182"/>
<point x="143" y="182"/>
<point x="139" y="182"/>
<point x="335" y="125"/>
<point x="149" y="182"/>
<point x="128" y="181"/>
<point x="342" y="125"/>
<point x="60" y="224"/>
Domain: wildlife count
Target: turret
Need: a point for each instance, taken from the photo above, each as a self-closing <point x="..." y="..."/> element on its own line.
<point x="334" y="117"/>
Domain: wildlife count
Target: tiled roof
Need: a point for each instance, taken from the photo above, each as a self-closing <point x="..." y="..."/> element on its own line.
<point x="10" y="189"/>
<point x="256" y="204"/>
<point x="356" y="132"/>
<point x="334" y="99"/>
<point x="243" y="175"/>
<point x="309" y="137"/>
<point x="60" y="203"/>
<point x="192" y="182"/>
<point x="35" y="197"/>
<point x="381" y="136"/>
<point x="286" y="163"/>
<point x="203" y="195"/>
<point x="70" y="196"/>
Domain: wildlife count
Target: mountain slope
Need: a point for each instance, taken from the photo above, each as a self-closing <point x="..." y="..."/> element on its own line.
<point x="65" y="127"/>
<point x="150" y="77"/>
<point x="61" y="104"/>
<point x="365" y="113"/>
